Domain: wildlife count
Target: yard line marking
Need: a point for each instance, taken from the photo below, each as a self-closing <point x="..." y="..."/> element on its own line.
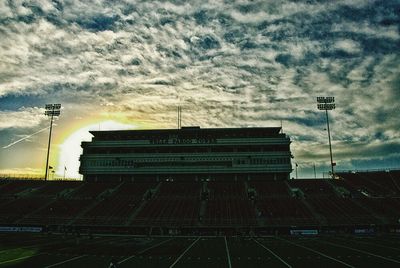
<point x="368" y="243"/>
<point x="275" y="255"/>
<point x="144" y="250"/>
<point x="362" y="251"/>
<point x="52" y="243"/>
<point x="35" y="245"/>
<point x="319" y="253"/>
<point x="189" y="247"/>
<point x="89" y="244"/>
<point x="21" y="258"/>
<point x="30" y="246"/>
<point x="387" y="239"/>
<point x="62" y="262"/>
<point x="227" y="253"/>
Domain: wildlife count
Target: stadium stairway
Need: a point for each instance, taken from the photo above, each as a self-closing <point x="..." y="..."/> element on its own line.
<point x="112" y="191"/>
<point x="132" y="217"/>
<point x="203" y="203"/>
<point x="320" y="219"/>
<point x="384" y="189"/>
<point x="246" y="187"/>
<point x="260" y="221"/>
<point x="26" y="193"/>
<point x="301" y="196"/>
<point x="202" y="211"/>
<point x="291" y="193"/>
<point x="29" y="215"/>
<point x="394" y="181"/>
<point x="156" y="190"/>
<point x="84" y="211"/>
<point x="382" y="220"/>
<point x="99" y="198"/>
<point x="69" y="193"/>
<point x="341" y="192"/>
<point x="153" y="192"/>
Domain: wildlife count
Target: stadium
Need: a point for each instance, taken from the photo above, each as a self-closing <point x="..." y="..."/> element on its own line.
<point x="204" y="133"/>
<point x="192" y="196"/>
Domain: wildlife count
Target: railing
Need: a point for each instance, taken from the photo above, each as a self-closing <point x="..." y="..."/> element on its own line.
<point x="21" y="176"/>
<point x="368" y="170"/>
<point x="33" y="177"/>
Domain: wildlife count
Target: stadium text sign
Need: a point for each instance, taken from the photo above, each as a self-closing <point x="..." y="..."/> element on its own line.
<point x="12" y="229"/>
<point x="304" y="232"/>
<point x="183" y="141"/>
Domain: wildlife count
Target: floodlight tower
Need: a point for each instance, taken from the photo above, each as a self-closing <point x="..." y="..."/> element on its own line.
<point x="51" y="110"/>
<point x="327" y="103"/>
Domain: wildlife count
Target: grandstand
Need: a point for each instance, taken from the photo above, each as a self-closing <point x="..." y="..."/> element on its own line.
<point x="242" y="203"/>
<point x="209" y="207"/>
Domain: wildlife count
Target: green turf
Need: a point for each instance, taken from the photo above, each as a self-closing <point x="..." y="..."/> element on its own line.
<point x="16" y="255"/>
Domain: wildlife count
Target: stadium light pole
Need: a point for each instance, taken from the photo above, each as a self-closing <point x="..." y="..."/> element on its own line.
<point x="315" y="171"/>
<point x="51" y="110"/>
<point x="327" y="103"/>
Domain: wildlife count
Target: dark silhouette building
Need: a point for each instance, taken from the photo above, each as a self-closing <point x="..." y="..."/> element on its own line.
<point x="189" y="153"/>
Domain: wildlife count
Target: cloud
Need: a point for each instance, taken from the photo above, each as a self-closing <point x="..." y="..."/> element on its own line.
<point x="25" y="117"/>
<point x="247" y="63"/>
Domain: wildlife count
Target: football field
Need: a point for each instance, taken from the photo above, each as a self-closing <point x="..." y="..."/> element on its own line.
<point x="27" y="250"/>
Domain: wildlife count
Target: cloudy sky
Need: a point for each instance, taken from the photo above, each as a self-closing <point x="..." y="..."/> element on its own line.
<point x="128" y="64"/>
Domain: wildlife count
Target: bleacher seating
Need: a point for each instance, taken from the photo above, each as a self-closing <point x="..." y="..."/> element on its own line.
<point x="115" y="209"/>
<point x="60" y="211"/>
<point x="313" y="187"/>
<point x="377" y="184"/>
<point x="361" y="198"/>
<point x="19" y="186"/>
<point x="347" y="189"/>
<point x="91" y="190"/>
<point x="386" y="181"/>
<point x="385" y="208"/>
<point x="341" y="211"/>
<point x="179" y="190"/>
<point x="229" y="211"/>
<point x="284" y="211"/>
<point x="270" y="188"/>
<point x="169" y="212"/>
<point x="175" y="203"/>
<point x="55" y="187"/>
<point x="17" y="208"/>
<point x="228" y="204"/>
<point x="222" y="190"/>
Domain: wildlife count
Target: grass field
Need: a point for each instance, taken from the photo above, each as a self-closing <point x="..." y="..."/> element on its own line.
<point x="28" y="250"/>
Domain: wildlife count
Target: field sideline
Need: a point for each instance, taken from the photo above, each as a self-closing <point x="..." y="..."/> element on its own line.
<point x="27" y="250"/>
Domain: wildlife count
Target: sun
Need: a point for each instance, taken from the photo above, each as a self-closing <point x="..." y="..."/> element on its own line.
<point x="70" y="149"/>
